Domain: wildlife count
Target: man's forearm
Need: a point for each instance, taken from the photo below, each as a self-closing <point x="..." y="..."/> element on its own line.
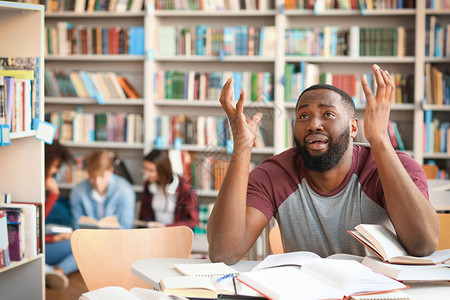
<point x="414" y="219"/>
<point x="227" y="223"/>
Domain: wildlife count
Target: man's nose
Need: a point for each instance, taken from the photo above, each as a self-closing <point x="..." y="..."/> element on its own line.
<point x="315" y="124"/>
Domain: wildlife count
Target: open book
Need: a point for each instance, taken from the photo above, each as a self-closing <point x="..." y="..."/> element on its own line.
<point x="206" y="287"/>
<point x="316" y="278"/>
<point x="209" y="269"/>
<point x="117" y="292"/>
<point x="109" y="222"/>
<point x="384" y="243"/>
<point x="408" y="272"/>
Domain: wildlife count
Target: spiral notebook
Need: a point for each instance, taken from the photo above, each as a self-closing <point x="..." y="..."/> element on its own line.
<point x="207" y="269"/>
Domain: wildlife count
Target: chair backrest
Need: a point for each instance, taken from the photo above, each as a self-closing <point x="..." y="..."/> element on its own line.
<point x="275" y="240"/>
<point x="444" y="234"/>
<point x="104" y="256"/>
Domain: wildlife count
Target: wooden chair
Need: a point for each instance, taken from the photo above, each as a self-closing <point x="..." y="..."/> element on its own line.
<point x="276" y="245"/>
<point x="444" y="234"/>
<point x="104" y="256"/>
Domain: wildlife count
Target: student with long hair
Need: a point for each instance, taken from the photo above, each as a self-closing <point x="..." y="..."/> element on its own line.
<point x="169" y="199"/>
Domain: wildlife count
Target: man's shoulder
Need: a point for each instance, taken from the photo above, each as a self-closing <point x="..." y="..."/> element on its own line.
<point x="283" y="158"/>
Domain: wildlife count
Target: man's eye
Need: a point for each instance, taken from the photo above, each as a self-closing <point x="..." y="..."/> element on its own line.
<point x="329" y="114"/>
<point x="304" y="116"/>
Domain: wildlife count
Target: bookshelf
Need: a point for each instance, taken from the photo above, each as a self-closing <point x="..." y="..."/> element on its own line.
<point x="21" y="35"/>
<point x="129" y="65"/>
<point x="409" y="114"/>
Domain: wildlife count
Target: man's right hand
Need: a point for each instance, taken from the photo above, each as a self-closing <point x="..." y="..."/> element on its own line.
<point x="244" y="129"/>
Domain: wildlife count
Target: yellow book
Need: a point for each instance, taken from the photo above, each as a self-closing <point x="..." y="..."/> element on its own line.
<point x="18" y="74"/>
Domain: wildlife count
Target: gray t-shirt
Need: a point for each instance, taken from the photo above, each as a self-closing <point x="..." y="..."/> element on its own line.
<point x="311" y="221"/>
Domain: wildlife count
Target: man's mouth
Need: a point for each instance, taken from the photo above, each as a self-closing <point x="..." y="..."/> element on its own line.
<point x="316" y="142"/>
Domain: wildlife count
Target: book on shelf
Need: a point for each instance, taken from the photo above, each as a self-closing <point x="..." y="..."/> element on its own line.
<point x="399" y="272"/>
<point x="117" y="292"/>
<point x="385" y="244"/>
<point x="317" y="278"/>
<point x="109" y="222"/>
<point x="4" y="245"/>
<point x="23" y="226"/>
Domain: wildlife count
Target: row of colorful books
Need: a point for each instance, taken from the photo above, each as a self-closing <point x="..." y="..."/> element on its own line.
<point x="320" y="41"/>
<point x="203" y="86"/>
<point x="349" y="4"/>
<point x="80" y="6"/>
<point x="20" y="232"/>
<point x="214" y="40"/>
<point x="436" y="134"/>
<point x="213" y="5"/>
<point x="437" y="4"/>
<point x="437" y="38"/>
<point x="89" y="127"/>
<point x="66" y="38"/>
<point x="300" y="76"/>
<point x="83" y="84"/>
<point x="19" y="92"/>
<point x="437" y="85"/>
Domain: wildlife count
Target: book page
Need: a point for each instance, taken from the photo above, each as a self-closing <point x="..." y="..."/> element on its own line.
<point x="350" y="277"/>
<point x="109" y="293"/>
<point x="382" y="238"/>
<point x="286" y="282"/>
<point x="286" y="259"/>
<point x="207" y="269"/>
<point x="408" y="272"/>
<point x="147" y="294"/>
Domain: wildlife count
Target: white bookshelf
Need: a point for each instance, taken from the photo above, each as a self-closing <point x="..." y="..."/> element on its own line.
<point x="409" y="116"/>
<point x="22" y="175"/>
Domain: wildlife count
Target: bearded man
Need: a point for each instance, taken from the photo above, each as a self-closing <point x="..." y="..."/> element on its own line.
<point x="326" y="184"/>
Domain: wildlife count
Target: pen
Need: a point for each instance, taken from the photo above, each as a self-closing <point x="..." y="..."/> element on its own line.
<point x="224" y="277"/>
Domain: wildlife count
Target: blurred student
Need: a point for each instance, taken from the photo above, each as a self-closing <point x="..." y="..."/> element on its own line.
<point x="104" y="193"/>
<point x="169" y="199"/>
<point x="58" y="253"/>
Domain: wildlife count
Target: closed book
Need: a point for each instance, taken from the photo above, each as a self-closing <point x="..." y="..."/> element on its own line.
<point x="399" y="272"/>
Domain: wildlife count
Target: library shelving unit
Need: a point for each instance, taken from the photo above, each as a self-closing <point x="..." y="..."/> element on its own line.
<point x="441" y="111"/>
<point x="130" y="66"/>
<point x="22" y="175"/>
<point x="409" y="114"/>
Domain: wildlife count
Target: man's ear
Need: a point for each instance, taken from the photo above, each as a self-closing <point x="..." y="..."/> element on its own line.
<point x="354" y="128"/>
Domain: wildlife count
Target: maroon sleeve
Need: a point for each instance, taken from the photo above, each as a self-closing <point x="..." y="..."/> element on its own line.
<point x="260" y="192"/>
<point x="186" y="211"/>
<point x="50" y="202"/>
<point x="371" y="183"/>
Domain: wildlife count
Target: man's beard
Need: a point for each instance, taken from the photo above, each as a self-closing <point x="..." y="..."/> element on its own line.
<point x="329" y="159"/>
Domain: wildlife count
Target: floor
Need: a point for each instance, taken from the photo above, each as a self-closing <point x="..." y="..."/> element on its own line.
<point x="73" y="292"/>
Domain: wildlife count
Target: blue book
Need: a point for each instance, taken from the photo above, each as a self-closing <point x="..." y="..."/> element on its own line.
<point x="303" y="72"/>
<point x="237" y="76"/>
<point x="428" y="129"/>
<point x="105" y="42"/>
<point x="334" y="40"/>
<point x="244" y="40"/>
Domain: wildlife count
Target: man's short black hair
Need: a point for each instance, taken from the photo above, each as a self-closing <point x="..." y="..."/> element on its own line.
<point x="348" y="101"/>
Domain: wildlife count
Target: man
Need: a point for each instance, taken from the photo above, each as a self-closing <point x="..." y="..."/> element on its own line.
<point x="104" y="193"/>
<point x="325" y="185"/>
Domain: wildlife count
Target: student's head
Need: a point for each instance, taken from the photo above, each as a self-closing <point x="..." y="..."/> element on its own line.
<point x="99" y="167"/>
<point x="157" y="167"/>
<point x="55" y="155"/>
<point x="324" y="126"/>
